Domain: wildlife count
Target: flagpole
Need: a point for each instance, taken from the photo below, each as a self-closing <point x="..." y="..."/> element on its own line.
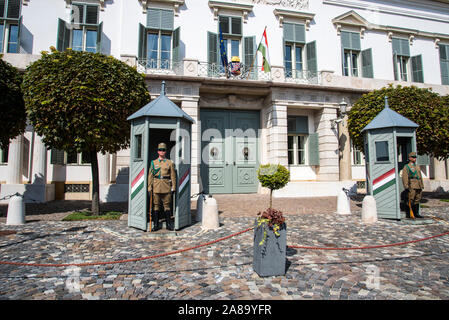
<point x="255" y="53"/>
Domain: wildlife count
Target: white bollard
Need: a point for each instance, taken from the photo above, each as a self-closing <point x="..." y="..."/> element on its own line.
<point x="210" y="214"/>
<point x="200" y="207"/>
<point x="16" y="211"/>
<point x="343" y="205"/>
<point x="369" y="210"/>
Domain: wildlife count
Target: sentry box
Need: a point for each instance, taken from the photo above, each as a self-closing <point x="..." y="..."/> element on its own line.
<point x="388" y="140"/>
<point x="159" y="121"/>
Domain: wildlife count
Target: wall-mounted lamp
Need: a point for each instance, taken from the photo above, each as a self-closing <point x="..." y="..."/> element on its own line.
<point x="343" y="105"/>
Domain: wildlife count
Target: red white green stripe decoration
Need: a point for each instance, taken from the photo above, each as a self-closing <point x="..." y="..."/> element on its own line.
<point x="183" y="182"/>
<point x="137" y="184"/>
<point x="384" y="181"/>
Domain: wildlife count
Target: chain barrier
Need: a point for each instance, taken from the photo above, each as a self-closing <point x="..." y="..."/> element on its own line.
<point x="210" y="243"/>
<point x="16" y="195"/>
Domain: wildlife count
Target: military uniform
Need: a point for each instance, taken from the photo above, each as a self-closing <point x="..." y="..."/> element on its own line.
<point x="413" y="183"/>
<point x="162" y="181"/>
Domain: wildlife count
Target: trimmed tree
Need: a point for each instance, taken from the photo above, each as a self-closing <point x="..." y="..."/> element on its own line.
<point x="422" y="106"/>
<point x="273" y="177"/>
<point x="79" y="102"/>
<point x="12" y="106"/>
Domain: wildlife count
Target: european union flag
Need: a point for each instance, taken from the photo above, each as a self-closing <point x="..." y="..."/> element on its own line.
<point x="224" y="57"/>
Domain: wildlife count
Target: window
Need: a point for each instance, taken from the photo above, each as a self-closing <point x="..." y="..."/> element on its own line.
<point x="231" y="28"/>
<point x="357" y="156"/>
<point x="298" y="130"/>
<point x="10" y="23"/>
<point x="294" y="44"/>
<point x="158" y="42"/>
<point x="4" y="155"/>
<point x="60" y="157"/>
<point x="382" y="153"/>
<point x="78" y="158"/>
<point x="355" y="61"/>
<point x="84" y="31"/>
<point x="404" y="66"/>
<point x="296" y="149"/>
<point x="138" y="147"/>
<point x="444" y="64"/>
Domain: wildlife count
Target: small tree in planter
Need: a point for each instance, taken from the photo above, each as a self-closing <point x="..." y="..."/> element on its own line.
<point x="270" y="234"/>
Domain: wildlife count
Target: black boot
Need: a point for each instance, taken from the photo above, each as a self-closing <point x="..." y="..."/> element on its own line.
<point x="168" y="222"/>
<point x="157" y="225"/>
<point x="416" y="211"/>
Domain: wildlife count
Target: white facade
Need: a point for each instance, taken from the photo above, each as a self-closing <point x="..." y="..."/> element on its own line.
<point x="313" y="94"/>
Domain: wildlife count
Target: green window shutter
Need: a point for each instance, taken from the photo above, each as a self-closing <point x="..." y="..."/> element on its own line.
<point x="224" y="24"/>
<point x="62" y="41"/>
<point x="298" y="125"/>
<point x="167" y="20"/>
<point x="99" y="32"/>
<point x="13" y="9"/>
<point x="311" y="57"/>
<point x="289" y="34"/>
<point x="176" y="42"/>
<point x="153" y="18"/>
<point x="367" y="63"/>
<point x="142" y="48"/>
<point x="417" y="69"/>
<point x="350" y="40"/>
<point x="294" y="32"/>
<point x="2" y="8"/>
<point x="91" y="15"/>
<point x="77" y="16"/>
<point x="19" y="34"/>
<point x="249" y="49"/>
<point x="313" y="150"/>
<point x="57" y="157"/>
<point x="395" y="66"/>
<point x="212" y="44"/>
<point x="423" y="160"/>
<point x="444" y="64"/>
<point x="401" y="47"/>
<point x="236" y="26"/>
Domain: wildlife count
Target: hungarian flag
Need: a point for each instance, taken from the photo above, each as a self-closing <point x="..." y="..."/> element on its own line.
<point x="263" y="48"/>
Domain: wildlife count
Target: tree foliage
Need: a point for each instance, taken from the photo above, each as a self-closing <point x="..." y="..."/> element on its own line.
<point x="12" y="107"/>
<point x="273" y="176"/>
<point x="79" y="101"/>
<point x="422" y="106"/>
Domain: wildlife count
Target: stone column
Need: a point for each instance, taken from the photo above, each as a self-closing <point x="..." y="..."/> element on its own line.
<point x="439" y="170"/>
<point x="276" y="138"/>
<point x="104" y="169"/>
<point x="114" y="168"/>
<point x="191" y="107"/>
<point x="328" y="145"/>
<point x="15" y="161"/>
<point x="39" y="162"/>
<point x="344" y="150"/>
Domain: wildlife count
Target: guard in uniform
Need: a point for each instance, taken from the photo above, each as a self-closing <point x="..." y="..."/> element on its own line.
<point x="162" y="181"/>
<point x="413" y="183"/>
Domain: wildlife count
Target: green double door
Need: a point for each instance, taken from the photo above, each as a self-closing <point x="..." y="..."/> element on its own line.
<point x="230" y="151"/>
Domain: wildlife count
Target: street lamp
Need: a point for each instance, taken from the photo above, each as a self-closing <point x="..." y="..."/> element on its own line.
<point x="343" y="105"/>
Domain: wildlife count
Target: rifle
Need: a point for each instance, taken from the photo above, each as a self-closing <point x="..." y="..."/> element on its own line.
<point x="151" y="205"/>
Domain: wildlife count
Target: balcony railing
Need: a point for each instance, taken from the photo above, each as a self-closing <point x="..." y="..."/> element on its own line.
<point x="158" y="66"/>
<point x="197" y="68"/>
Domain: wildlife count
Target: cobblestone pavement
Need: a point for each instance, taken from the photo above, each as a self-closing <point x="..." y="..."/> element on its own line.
<point x="224" y="270"/>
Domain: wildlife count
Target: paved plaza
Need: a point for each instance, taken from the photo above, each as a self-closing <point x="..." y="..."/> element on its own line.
<point x="223" y="270"/>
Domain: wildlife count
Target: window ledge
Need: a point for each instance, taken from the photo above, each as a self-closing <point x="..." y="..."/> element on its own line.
<point x="175" y="3"/>
<point x="243" y="8"/>
<point x="304" y="16"/>
<point x="69" y="3"/>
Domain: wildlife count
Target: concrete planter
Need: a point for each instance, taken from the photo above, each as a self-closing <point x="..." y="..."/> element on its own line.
<point x="269" y="258"/>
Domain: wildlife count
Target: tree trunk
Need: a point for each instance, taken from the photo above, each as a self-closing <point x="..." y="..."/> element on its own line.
<point x="271" y="198"/>
<point x="95" y="183"/>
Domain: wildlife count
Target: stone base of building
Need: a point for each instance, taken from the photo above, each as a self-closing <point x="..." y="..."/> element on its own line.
<point x="436" y="186"/>
<point x="114" y="193"/>
<point x="32" y="193"/>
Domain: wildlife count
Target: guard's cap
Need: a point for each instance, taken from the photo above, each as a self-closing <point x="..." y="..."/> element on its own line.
<point x="162" y="146"/>
<point x="412" y="154"/>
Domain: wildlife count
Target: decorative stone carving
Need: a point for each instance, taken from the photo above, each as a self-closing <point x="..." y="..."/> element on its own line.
<point x="295" y="4"/>
<point x="69" y="3"/>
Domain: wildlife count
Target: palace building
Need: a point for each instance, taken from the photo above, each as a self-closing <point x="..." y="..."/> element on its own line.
<point x="322" y="54"/>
